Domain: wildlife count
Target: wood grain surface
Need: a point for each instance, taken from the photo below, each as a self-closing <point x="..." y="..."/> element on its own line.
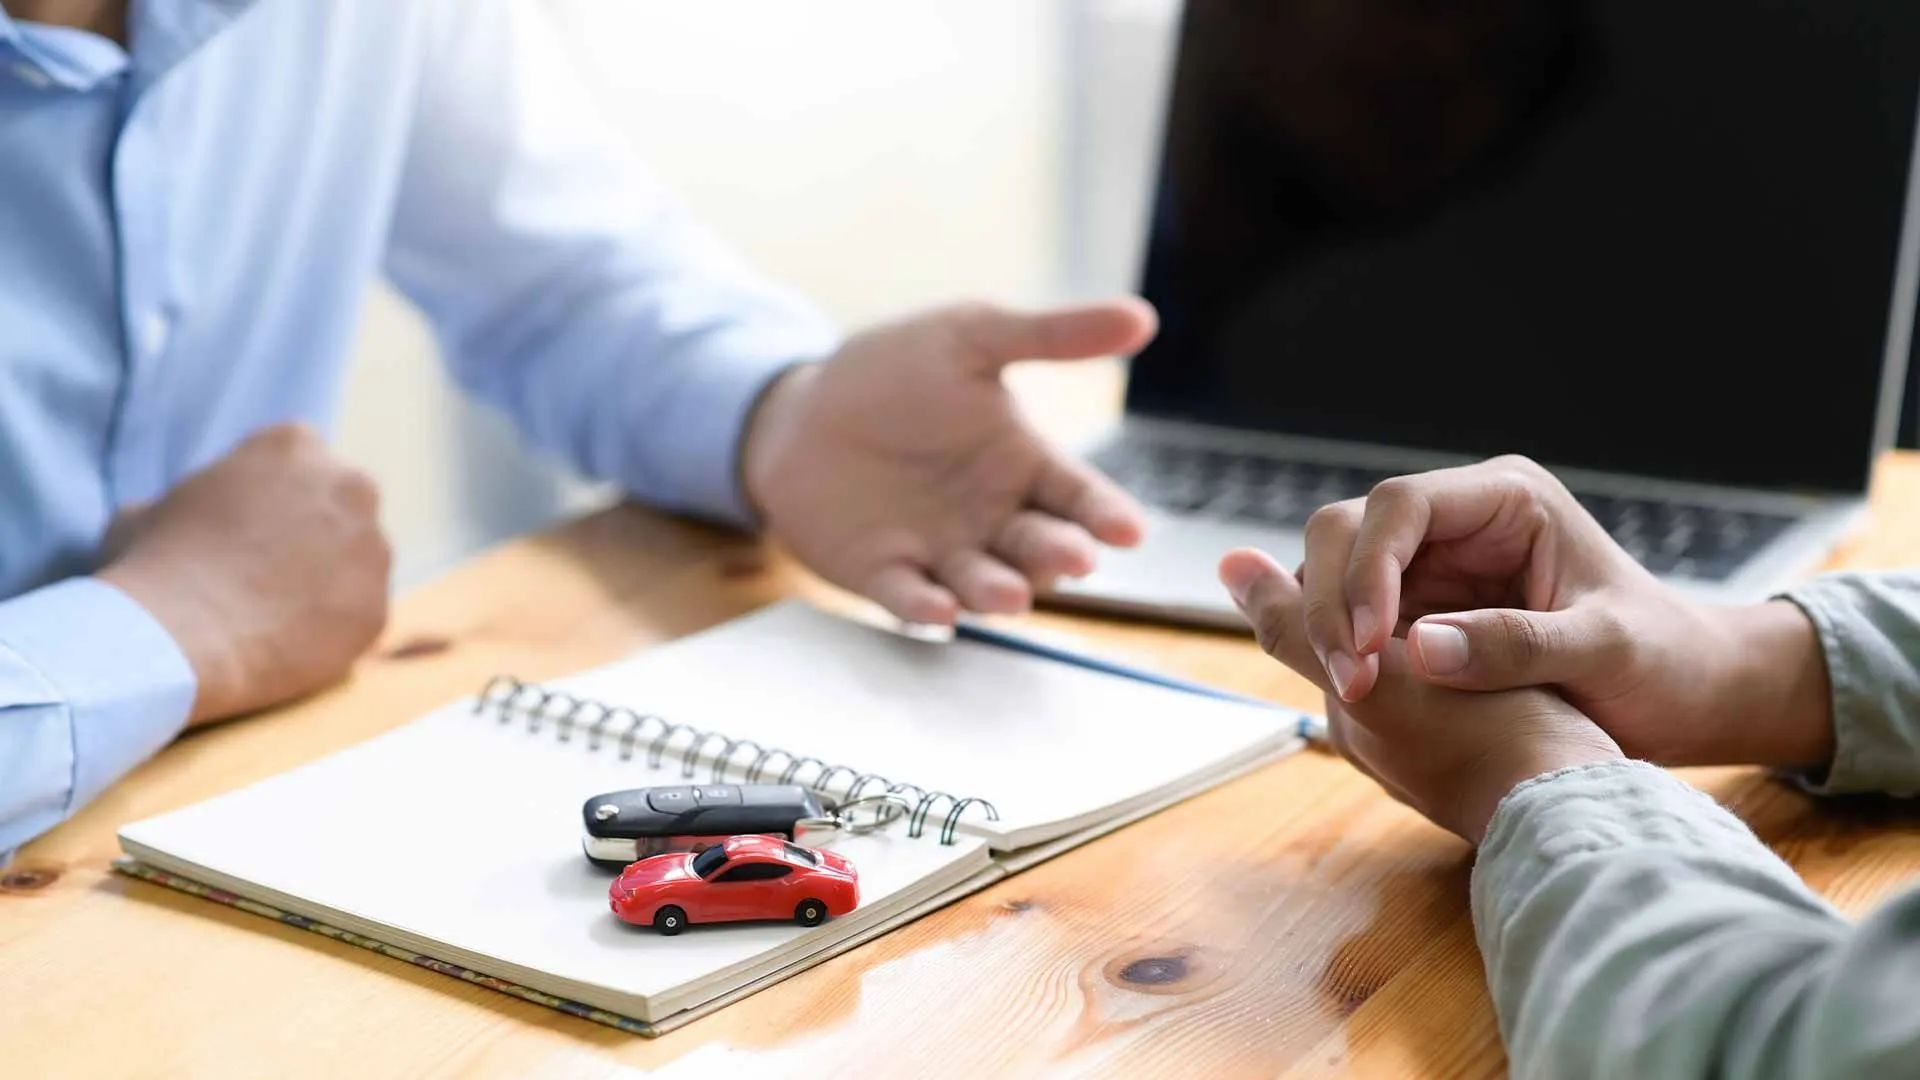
<point x="1295" y="921"/>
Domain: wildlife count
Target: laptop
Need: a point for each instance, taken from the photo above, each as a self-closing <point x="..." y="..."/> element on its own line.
<point x="1668" y="250"/>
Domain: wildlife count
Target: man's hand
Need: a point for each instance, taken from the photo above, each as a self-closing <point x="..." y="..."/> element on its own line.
<point x="1450" y="754"/>
<point x="1498" y="578"/>
<point x="268" y="568"/>
<point x="902" y="469"/>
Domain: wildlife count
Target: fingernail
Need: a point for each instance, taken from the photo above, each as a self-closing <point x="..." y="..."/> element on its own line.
<point x="1344" y="670"/>
<point x="1443" y="648"/>
<point x="1365" y="622"/>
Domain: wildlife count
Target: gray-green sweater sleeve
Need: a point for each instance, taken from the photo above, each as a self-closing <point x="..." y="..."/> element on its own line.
<point x="1869" y="627"/>
<point x="1633" y="928"/>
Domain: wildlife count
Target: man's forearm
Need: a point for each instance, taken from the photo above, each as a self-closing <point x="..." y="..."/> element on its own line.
<point x="569" y="287"/>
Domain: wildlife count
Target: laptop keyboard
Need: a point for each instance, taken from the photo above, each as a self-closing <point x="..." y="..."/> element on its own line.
<point x="1669" y="538"/>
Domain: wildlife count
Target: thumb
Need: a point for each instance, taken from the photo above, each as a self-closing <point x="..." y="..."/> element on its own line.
<point x="1504" y="648"/>
<point x="1001" y="336"/>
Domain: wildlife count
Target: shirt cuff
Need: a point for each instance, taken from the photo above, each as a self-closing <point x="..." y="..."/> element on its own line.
<point x="699" y="445"/>
<point x="1590" y="810"/>
<point x="1876" y="744"/>
<point x="127" y="687"/>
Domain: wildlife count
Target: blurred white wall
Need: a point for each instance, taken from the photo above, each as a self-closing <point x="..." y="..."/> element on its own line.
<point x="1119" y="61"/>
<point x="879" y="154"/>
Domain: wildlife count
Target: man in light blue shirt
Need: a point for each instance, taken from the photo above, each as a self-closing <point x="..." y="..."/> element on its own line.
<point x="193" y="196"/>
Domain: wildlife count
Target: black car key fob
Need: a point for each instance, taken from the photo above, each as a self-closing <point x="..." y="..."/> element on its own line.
<point x="626" y="826"/>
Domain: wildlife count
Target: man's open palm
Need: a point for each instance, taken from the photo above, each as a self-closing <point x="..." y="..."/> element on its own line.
<point x="901" y="468"/>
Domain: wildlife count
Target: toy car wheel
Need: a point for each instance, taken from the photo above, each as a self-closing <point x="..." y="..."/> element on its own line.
<point x="810" y="913"/>
<point x="669" y="920"/>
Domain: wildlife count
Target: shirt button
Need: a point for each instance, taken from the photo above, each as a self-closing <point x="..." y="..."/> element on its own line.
<point x="155" y="329"/>
<point x="30" y="75"/>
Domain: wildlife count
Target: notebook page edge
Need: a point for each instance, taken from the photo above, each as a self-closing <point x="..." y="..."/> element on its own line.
<point x="649" y="1008"/>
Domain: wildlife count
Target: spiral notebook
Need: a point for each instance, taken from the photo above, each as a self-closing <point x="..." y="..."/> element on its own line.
<point x="453" y="841"/>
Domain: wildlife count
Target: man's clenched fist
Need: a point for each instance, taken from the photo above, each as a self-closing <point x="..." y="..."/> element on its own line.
<point x="268" y="568"/>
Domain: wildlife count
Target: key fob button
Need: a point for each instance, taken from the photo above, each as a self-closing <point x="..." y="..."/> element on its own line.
<point x="717" y="795"/>
<point x="616" y="813"/>
<point x="671" y="800"/>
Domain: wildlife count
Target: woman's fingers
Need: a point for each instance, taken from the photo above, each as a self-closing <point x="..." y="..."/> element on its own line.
<point x="1270" y="599"/>
<point x="1503" y="502"/>
<point x="1330" y="626"/>
<point x="1504" y="648"/>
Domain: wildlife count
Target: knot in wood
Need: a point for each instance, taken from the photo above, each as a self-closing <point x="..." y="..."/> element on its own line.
<point x="1155" y="970"/>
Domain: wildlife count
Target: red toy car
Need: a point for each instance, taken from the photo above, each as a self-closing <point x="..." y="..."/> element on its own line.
<point x="746" y="877"/>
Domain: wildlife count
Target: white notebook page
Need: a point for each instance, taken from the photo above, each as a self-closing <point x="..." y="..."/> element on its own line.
<point x="459" y="836"/>
<point x="1053" y="746"/>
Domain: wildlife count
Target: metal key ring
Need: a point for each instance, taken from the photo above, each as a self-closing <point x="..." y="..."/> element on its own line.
<point x="901" y="807"/>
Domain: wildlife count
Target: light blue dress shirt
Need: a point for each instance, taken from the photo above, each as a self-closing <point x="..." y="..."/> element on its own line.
<point x="187" y="228"/>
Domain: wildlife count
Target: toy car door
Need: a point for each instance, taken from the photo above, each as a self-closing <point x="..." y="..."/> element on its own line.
<point x="750" y="890"/>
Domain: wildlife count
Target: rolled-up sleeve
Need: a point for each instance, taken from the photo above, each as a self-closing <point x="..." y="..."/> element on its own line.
<point x="1633" y="928"/>
<point x="1869" y="629"/>
<point x="568" y="287"/>
<point x="90" y="686"/>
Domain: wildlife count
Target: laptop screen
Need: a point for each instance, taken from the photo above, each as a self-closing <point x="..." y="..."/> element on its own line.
<point x="1633" y="235"/>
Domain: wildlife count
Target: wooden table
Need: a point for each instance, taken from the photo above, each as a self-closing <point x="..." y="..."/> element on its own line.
<point x="1295" y="921"/>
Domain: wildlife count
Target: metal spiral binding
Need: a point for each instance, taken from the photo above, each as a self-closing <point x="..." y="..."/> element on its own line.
<point x="664" y="740"/>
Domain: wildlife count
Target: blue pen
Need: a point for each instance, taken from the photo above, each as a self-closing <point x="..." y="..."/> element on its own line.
<point x="1312" y="728"/>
